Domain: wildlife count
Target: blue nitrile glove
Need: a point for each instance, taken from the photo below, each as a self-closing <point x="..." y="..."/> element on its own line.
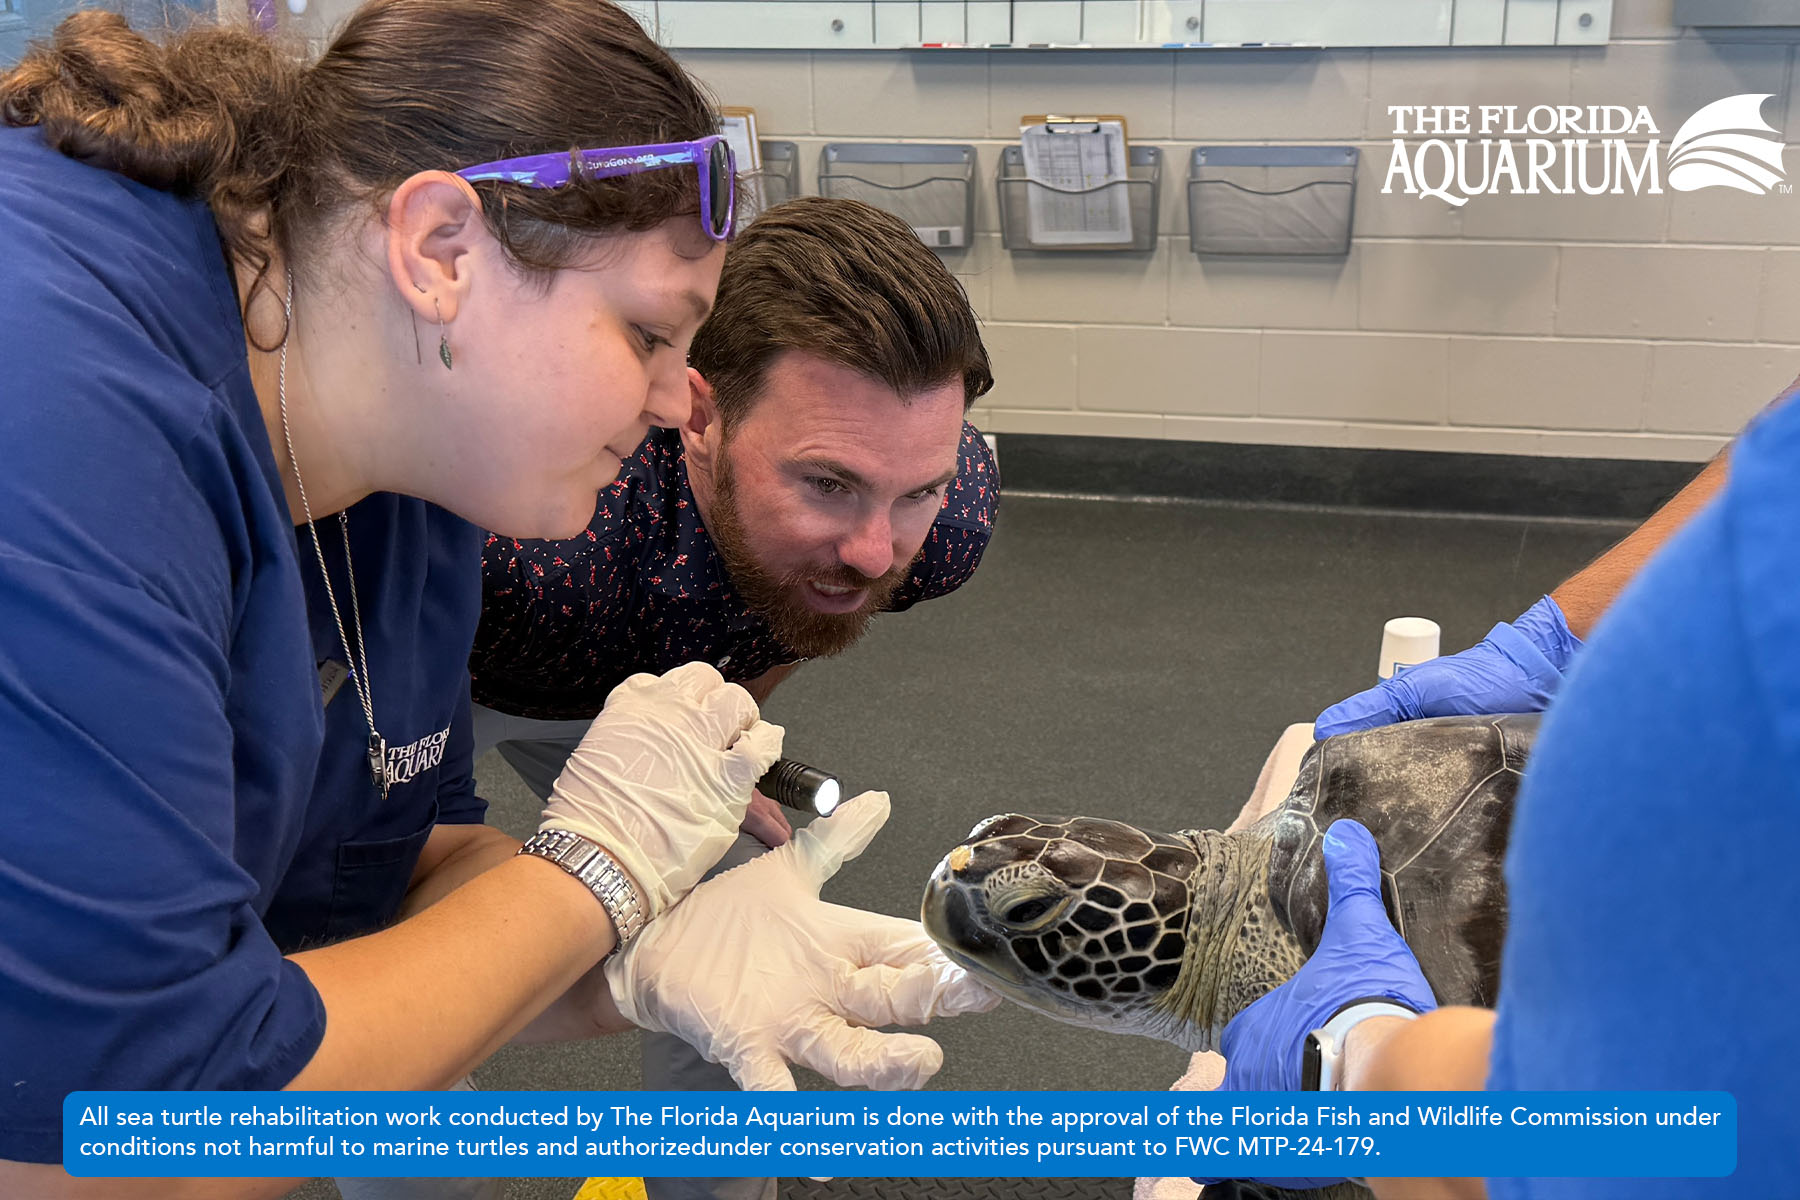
<point x="1515" y="668"/>
<point x="1360" y="957"/>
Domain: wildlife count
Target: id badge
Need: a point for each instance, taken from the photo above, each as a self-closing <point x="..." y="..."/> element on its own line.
<point x="332" y="674"/>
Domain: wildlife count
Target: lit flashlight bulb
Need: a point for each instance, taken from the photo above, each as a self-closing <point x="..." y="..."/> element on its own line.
<point x="796" y="785"/>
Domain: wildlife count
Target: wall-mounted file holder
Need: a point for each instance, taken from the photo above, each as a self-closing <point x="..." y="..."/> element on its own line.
<point x="929" y="186"/>
<point x="1271" y="199"/>
<point x="779" y="176"/>
<point x="775" y="180"/>
<point x="1120" y="215"/>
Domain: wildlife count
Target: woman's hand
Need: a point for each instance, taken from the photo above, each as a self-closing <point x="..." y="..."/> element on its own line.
<point x="664" y="776"/>
<point x="1360" y="957"/>
<point x="756" y="972"/>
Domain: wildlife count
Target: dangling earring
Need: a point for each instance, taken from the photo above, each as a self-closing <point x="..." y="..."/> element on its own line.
<point x="443" y="337"/>
<point x="418" y="354"/>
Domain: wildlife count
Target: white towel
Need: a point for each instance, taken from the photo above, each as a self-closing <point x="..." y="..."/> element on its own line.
<point x="1206" y="1069"/>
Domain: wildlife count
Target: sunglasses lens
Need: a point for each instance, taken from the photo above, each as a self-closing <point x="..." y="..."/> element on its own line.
<point x="721" y="188"/>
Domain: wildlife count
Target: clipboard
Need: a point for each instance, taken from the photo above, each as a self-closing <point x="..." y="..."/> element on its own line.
<point x="1054" y="119"/>
<point x="739" y="127"/>
<point x="1071" y="161"/>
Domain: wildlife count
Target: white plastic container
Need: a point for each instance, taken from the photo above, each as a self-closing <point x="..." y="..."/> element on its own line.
<point x="1407" y="642"/>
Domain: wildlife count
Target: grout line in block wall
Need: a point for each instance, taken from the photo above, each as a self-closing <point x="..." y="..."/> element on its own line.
<point x="1762" y="290"/>
<point x="1174" y="90"/>
<point x="1515" y="243"/>
<point x="1168" y="306"/>
<point x="1416" y="335"/>
<point x="987" y="88"/>
<point x="1368" y="99"/>
<point x="1290" y="422"/>
<point x="1556" y="279"/>
<point x="812" y="93"/>
<point x="1362" y="141"/>
<point x="1479" y="334"/>
<point x="1788" y="96"/>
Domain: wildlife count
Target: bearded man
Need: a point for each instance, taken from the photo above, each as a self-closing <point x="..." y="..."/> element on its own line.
<point x="826" y="474"/>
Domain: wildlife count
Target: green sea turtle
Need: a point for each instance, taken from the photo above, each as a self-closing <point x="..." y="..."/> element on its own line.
<point x="1170" y="935"/>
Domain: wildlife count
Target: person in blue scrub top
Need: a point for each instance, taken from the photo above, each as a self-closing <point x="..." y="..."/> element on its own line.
<point x="1650" y="872"/>
<point x="280" y="338"/>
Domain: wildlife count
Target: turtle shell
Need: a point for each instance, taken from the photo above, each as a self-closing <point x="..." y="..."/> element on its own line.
<point x="1438" y="796"/>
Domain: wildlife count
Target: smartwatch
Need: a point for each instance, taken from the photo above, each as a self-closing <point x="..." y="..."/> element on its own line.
<point x="1322" y="1060"/>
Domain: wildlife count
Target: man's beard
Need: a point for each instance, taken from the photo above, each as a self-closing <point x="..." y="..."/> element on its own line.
<point x="777" y="598"/>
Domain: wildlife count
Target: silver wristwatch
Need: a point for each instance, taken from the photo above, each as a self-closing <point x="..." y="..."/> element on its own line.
<point x="598" y="872"/>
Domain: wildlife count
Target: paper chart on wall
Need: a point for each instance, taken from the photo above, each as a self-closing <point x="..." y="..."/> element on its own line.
<point x="739" y="127"/>
<point x="1080" y="165"/>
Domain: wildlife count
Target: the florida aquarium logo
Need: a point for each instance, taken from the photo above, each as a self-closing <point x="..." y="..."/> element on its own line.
<point x="1723" y="145"/>
<point x="1571" y="149"/>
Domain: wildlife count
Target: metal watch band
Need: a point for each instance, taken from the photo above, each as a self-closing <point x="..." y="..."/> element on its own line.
<point x="598" y="872"/>
<point x="1322" y="1065"/>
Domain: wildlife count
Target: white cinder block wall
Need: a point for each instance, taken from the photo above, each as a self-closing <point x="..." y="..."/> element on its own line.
<point x="1620" y="327"/>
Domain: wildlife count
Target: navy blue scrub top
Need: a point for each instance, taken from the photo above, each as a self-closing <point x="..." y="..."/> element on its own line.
<point x="179" y="810"/>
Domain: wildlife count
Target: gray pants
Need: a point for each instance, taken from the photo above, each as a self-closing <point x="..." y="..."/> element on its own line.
<point x="537" y="750"/>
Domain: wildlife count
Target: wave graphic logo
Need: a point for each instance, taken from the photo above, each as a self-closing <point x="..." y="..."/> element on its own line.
<point x="1717" y="148"/>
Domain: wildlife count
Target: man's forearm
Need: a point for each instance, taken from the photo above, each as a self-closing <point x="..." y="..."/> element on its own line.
<point x="585" y="1011"/>
<point x="1442" y="1051"/>
<point x="760" y="687"/>
<point x="1588" y="593"/>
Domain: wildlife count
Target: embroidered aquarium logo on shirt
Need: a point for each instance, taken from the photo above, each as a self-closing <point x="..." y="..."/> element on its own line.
<point x="404" y="763"/>
<point x="1571" y="149"/>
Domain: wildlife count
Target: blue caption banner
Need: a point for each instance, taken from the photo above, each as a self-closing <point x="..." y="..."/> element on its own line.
<point x="950" y="1134"/>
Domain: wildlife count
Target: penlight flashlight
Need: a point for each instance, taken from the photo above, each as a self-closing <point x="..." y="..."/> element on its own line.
<point x="796" y="785"/>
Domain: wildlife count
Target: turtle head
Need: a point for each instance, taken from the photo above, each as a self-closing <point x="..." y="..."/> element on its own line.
<point x="1078" y="918"/>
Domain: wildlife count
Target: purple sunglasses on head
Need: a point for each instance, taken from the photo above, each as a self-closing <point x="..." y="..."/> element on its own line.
<point x="711" y="155"/>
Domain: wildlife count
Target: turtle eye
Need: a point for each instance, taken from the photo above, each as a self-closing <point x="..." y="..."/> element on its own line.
<point x="1024" y="896"/>
<point x="1026" y="911"/>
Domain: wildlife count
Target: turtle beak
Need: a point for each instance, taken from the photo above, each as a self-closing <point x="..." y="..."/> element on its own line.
<point x="933" y="907"/>
<point x="950" y="920"/>
<point x="944" y="910"/>
<point x="949" y="916"/>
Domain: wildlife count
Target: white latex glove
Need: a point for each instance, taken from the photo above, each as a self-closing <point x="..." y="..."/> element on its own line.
<point x="755" y="971"/>
<point x="663" y="777"/>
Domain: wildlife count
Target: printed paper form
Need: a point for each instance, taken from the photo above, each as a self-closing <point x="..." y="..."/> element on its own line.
<point x="1078" y="159"/>
<point x="739" y="127"/>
